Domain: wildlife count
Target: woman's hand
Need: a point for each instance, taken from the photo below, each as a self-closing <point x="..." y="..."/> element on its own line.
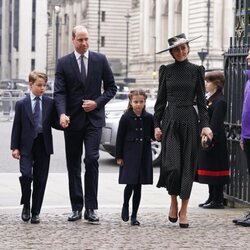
<point x="158" y="134"/>
<point x="207" y="132"/>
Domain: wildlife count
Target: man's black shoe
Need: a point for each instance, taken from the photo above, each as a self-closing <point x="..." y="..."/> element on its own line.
<point x="214" y="205"/>
<point x="90" y="215"/>
<point x="244" y="218"/>
<point x="205" y="203"/>
<point x="244" y="223"/>
<point x="76" y="215"/>
<point x="35" y="219"/>
<point x="26" y="213"/>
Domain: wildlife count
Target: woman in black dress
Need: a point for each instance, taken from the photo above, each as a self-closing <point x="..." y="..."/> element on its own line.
<point x="176" y="124"/>
<point x="213" y="162"/>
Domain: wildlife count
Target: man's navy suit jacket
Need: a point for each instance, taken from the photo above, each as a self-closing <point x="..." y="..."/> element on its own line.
<point x="70" y="89"/>
<point x="23" y="130"/>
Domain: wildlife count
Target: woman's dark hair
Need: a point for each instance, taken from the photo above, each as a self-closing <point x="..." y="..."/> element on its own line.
<point x="135" y="92"/>
<point x="217" y="78"/>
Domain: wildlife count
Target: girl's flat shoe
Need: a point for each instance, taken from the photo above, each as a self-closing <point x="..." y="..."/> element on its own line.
<point x="135" y="222"/>
<point x="125" y="213"/>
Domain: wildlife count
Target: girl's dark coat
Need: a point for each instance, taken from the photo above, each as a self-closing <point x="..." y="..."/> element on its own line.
<point x="133" y="145"/>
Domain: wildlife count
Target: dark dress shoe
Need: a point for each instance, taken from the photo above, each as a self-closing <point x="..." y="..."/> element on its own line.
<point x="214" y="205"/>
<point x="244" y="218"/>
<point x="134" y="222"/>
<point x="91" y="216"/>
<point x="205" y="203"/>
<point x="26" y="213"/>
<point x="244" y="223"/>
<point x="125" y="213"/>
<point x="35" y="219"/>
<point x="76" y="215"/>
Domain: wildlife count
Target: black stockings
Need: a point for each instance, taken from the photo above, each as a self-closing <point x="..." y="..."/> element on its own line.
<point x="136" y="197"/>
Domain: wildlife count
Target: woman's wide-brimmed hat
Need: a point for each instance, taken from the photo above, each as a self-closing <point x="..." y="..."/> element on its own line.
<point x="177" y="41"/>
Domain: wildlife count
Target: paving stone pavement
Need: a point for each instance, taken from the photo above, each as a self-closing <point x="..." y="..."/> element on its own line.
<point x="209" y="229"/>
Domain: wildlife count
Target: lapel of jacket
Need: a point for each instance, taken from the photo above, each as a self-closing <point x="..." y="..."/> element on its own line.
<point x="27" y="105"/>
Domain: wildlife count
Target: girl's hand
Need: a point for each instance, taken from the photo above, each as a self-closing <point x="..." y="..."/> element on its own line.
<point x="158" y="134"/>
<point x="120" y="162"/>
<point x="207" y="132"/>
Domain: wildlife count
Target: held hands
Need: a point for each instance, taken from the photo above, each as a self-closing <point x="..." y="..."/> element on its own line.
<point x="158" y="134"/>
<point x="88" y="105"/>
<point x="64" y="120"/>
<point x="16" y="154"/>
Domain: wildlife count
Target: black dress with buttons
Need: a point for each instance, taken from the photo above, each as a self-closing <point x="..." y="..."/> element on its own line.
<point x="180" y="84"/>
<point x="133" y="145"/>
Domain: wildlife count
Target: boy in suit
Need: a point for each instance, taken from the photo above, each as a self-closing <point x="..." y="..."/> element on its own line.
<point x="31" y="143"/>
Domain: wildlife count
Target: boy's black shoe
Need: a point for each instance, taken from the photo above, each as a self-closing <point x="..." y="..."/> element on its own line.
<point x="35" y="219"/>
<point x="26" y="213"/>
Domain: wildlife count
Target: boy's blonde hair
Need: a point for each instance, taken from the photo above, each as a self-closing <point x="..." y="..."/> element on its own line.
<point x="34" y="75"/>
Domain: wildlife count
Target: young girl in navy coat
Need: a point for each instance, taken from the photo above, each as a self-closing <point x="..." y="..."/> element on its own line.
<point x="133" y="152"/>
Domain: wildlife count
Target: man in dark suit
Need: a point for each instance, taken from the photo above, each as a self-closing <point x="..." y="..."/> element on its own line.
<point x="84" y="83"/>
<point x="31" y="143"/>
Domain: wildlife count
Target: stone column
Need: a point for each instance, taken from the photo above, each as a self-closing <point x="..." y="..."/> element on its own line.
<point x="158" y="25"/>
<point x="171" y="20"/>
<point x="146" y="26"/>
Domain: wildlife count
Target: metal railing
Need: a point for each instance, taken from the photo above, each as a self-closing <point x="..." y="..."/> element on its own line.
<point x="8" y="99"/>
<point x="238" y="190"/>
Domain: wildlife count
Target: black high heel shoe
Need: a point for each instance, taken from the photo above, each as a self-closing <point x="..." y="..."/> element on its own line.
<point x="125" y="213"/>
<point x="173" y="220"/>
<point x="183" y="225"/>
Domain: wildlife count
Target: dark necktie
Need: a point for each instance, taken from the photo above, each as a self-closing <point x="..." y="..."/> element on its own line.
<point x="36" y="113"/>
<point x="83" y="70"/>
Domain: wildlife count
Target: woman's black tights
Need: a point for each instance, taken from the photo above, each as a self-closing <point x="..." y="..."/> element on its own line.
<point x="136" y="197"/>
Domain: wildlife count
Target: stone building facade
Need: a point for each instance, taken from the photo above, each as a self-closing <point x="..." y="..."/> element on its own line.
<point x="129" y="32"/>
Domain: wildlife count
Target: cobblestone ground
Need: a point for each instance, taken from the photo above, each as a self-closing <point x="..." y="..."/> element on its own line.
<point x="208" y="230"/>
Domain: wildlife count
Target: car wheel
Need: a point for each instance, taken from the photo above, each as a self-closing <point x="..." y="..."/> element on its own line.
<point x="156" y="151"/>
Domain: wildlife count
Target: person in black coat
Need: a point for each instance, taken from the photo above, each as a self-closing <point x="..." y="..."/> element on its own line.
<point x="213" y="160"/>
<point x="31" y="143"/>
<point x="133" y="151"/>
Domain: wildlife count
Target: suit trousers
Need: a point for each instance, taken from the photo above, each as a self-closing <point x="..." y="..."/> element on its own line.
<point x="34" y="167"/>
<point x="90" y="136"/>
